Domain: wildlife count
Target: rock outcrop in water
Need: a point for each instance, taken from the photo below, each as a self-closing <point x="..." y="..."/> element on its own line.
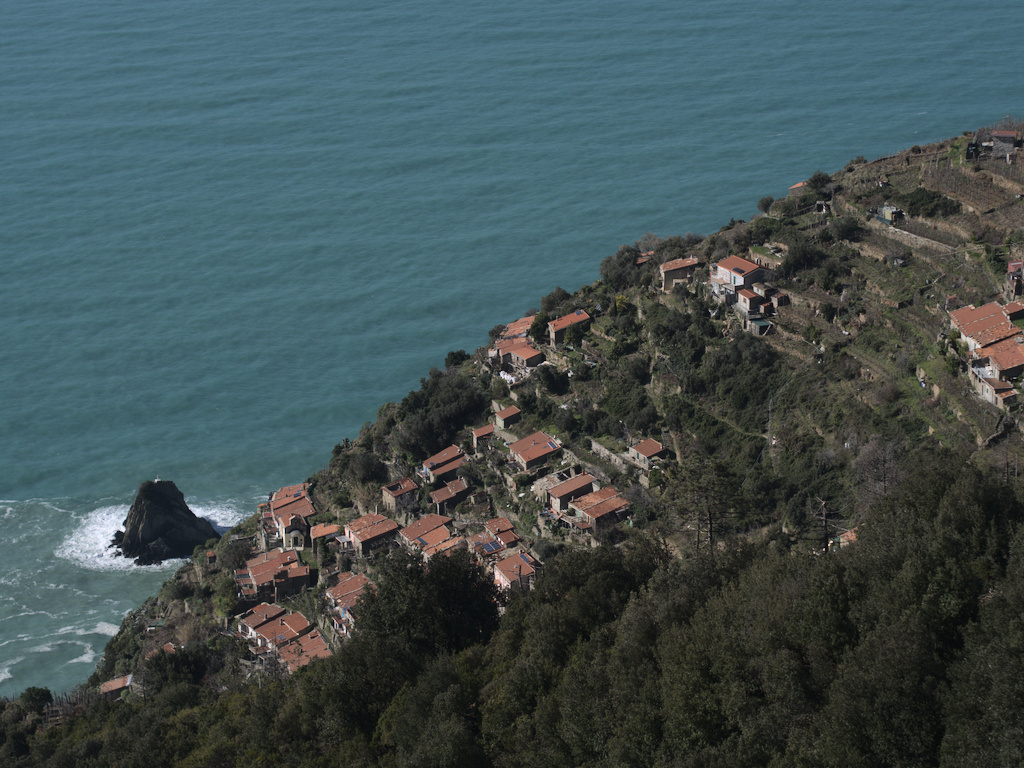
<point x="160" y="526"/>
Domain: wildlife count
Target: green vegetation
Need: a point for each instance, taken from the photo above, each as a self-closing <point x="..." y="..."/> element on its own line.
<point x="725" y="624"/>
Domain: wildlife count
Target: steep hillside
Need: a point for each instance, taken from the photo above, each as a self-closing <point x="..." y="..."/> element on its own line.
<point x="759" y="511"/>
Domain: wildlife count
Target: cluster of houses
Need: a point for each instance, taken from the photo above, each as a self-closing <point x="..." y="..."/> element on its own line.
<point x="734" y="281"/>
<point x="572" y="498"/>
<point x="995" y="348"/>
<point x="515" y="352"/>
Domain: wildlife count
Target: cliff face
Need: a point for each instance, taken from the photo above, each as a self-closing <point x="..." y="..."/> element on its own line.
<point x="160" y="526"/>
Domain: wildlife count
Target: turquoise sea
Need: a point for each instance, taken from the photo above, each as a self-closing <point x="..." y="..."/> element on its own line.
<point x="230" y="231"/>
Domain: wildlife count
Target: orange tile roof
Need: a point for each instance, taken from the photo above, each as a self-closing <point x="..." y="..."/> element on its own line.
<point x="583" y="503"/>
<point x="446" y="547"/>
<point x="609" y="506"/>
<point x="579" y="316"/>
<point x="570" y="486"/>
<point x="668" y="266"/>
<point x="365" y="521"/>
<point x="403" y="486"/>
<point x="424" y="525"/>
<point x="449" y="492"/>
<point x="1007" y="354"/>
<point x="433" y="538"/>
<point x="498" y="524"/>
<point x="986" y="336"/>
<point x="520" y="447"/>
<point x="525" y="352"/>
<point x="449" y="453"/>
<point x="1013" y="308"/>
<point x="648" y="447"/>
<point x="303" y="650"/>
<point x="507" y="412"/>
<point x="737" y="264"/>
<point x="451" y="466"/>
<point x="350" y="585"/>
<point x="508" y="538"/>
<point x="380" y="526"/>
<point x="117" y="684"/>
<point x="518" y="327"/>
<point x="484" y="431"/>
<point x="261" y="614"/>
<point x="502" y="346"/>
<point x="965" y="316"/>
<point x="324" y="529"/>
<point x="284" y="629"/>
<point x="517" y="566"/>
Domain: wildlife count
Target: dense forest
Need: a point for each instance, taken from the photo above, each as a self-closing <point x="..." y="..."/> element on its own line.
<point x="726" y="622"/>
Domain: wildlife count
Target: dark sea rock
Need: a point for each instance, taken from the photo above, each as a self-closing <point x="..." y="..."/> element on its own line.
<point x="160" y="526"/>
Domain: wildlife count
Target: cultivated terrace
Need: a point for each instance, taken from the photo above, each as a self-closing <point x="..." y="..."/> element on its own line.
<point x="749" y="498"/>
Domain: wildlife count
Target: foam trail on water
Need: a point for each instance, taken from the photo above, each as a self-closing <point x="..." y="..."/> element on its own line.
<point x="5" y="669"/>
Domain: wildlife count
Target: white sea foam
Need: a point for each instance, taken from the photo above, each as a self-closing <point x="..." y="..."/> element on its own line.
<point x="89" y="545"/>
<point x="105" y="628"/>
<point x="222" y="516"/>
<point x="86" y="658"/>
<point x="5" y="669"/>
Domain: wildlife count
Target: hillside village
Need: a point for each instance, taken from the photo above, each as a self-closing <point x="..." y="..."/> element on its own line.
<point x="513" y="489"/>
<point x="747" y="462"/>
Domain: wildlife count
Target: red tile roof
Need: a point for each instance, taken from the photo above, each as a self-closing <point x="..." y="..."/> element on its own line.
<point x="507" y="412"/>
<point x="484" y="431"/>
<point x="433" y="538"/>
<point x="609" y="506"/>
<point x="283" y="629"/>
<point x="983" y="337"/>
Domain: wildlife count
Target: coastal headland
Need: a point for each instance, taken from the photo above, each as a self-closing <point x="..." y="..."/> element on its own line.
<point x="752" y="497"/>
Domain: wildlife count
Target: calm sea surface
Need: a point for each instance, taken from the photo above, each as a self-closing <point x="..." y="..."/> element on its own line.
<point x="230" y="231"/>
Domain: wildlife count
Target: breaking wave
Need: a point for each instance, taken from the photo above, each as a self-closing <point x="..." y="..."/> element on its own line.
<point x="88" y="546"/>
